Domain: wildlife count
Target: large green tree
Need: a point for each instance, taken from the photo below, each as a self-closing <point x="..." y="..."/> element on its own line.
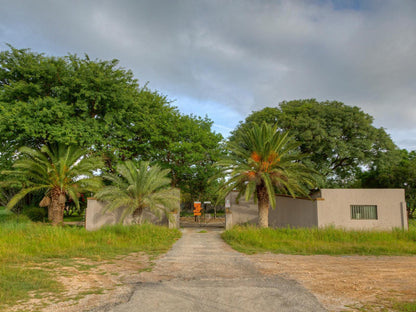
<point x="396" y="169"/>
<point x="100" y="106"/>
<point x="340" y="139"/>
<point x="189" y="149"/>
<point x="60" y="171"/>
<point x="136" y="187"/>
<point x="263" y="162"/>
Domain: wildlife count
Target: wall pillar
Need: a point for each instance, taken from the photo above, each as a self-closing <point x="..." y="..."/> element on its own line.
<point x="173" y="220"/>
<point x="228" y="219"/>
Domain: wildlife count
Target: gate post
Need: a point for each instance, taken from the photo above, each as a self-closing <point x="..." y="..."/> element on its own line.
<point x="228" y="219"/>
<point x="173" y="220"/>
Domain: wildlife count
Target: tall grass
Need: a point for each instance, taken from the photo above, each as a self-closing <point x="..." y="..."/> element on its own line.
<point x="25" y="245"/>
<point x="330" y="241"/>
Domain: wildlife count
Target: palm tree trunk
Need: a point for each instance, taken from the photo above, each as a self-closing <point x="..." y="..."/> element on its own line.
<point x="57" y="206"/>
<point x="263" y="206"/>
<point x="137" y="215"/>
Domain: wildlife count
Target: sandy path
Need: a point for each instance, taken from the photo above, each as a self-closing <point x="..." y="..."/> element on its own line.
<point x="338" y="281"/>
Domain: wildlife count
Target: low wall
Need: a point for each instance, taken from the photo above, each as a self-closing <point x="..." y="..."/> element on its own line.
<point x="242" y="212"/>
<point x="295" y="212"/>
<point x="289" y="211"/>
<point x="335" y="210"/>
<point x="328" y="207"/>
<point x="96" y="217"/>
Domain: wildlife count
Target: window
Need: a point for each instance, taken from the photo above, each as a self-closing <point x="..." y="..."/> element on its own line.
<point x="364" y="212"/>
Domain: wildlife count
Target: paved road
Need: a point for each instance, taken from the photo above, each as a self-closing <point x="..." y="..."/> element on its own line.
<point x="202" y="273"/>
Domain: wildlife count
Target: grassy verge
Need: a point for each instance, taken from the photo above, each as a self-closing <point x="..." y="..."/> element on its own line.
<point x="405" y="306"/>
<point x="329" y="241"/>
<point x="385" y="305"/>
<point x="74" y="218"/>
<point x="24" y="246"/>
<point x="4" y="211"/>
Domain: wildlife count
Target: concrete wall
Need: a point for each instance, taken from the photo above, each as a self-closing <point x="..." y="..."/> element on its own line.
<point x="328" y="207"/>
<point x="296" y="212"/>
<point x="242" y="212"/>
<point x="96" y="218"/>
<point x="289" y="211"/>
<point x="335" y="208"/>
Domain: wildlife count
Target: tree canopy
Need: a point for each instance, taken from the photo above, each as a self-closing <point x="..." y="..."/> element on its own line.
<point x="396" y="169"/>
<point x="339" y="139"/>
<point x="100" y="106"/>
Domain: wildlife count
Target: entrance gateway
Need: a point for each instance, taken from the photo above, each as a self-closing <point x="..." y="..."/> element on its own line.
<point x="202" y="215"/>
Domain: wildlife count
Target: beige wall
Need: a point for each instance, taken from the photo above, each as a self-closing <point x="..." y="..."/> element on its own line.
<point x="96" y="217"/>
<point x="335" y="208"/>
<point x="294" y="212"/>
<point x="243" y="212"/>
<point x="328" y="207"/>
<point x="289" y="211"/>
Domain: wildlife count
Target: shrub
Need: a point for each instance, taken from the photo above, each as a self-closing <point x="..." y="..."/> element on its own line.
<point x="36" y="214"/>
<point x="13" y="218"/>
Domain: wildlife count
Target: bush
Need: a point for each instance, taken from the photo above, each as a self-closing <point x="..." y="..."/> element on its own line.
<point x="13" y="218"/>
<point x="36" y="214"/>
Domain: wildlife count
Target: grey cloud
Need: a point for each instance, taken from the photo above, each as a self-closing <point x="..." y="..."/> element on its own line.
<point x="244" y="55"/>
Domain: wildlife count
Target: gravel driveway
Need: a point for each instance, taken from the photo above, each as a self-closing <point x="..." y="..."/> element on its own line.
<point x="202" y="273"/>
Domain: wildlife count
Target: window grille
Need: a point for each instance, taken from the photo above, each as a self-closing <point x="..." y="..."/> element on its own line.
<point x="364" y="212"/>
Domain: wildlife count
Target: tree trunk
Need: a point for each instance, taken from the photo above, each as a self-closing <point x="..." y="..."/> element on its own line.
<point x="57" y="206"/>
<point x="263" y="206"/>
<point x="137" y="216"/>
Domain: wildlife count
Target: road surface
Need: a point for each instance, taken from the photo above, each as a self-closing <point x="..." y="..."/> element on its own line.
<point x="202" y="273"/>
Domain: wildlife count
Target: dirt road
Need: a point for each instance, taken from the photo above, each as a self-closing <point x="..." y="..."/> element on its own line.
<point x="202" y="273"/>
<point x="347" y="283"/>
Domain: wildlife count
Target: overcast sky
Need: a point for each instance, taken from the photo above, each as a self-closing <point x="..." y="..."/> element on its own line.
<point x="226" y="59"/>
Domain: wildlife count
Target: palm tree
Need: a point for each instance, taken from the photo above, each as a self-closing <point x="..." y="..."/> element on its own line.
<point x="59" y="170"/>
<point x="136" y="187"/>
<point x="265" y="161"/>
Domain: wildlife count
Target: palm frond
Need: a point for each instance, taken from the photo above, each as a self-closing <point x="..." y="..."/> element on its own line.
<point x="137" y="185"/>
<point x="265" y="157"/>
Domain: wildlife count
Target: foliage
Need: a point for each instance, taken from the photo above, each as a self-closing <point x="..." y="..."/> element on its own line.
<point x="412" y="224"/>
<point x="331" y="241"/>
<point x="12" y="218"/>
<point x="340" y="139"/>
<point x="99" y="106"/>
<point x="36" y="214"/>
<point x="26" y="250"/>
<point x="71" y="208"/>
<point x="189" y="149"/>
<point x="397" y="169"/>
<point x="136" y="187"/>
<point x="262" y="162"/>
<point x="59" y="171"/>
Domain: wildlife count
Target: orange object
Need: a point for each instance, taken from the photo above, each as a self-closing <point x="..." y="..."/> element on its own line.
<point x="197" y="208"/>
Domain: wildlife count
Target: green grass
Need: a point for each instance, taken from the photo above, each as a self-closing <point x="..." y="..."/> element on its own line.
<point x="405" y="306"/>
<point x="25" y="247"/>
<point x="412" y="224"/>
<point x="4" y="211"/>
<point x="329" y="241"/>
<point x="385" y="305"/>
<point x="74" y="218"/>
